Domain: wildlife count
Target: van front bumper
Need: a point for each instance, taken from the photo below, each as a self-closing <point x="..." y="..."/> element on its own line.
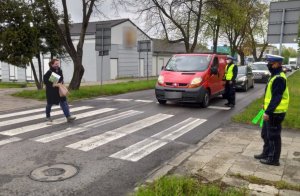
<point x="193" y="95"/>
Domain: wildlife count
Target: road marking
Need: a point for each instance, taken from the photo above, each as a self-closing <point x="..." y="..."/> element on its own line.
<point x="87" y="126"/>
<point x="123" y="100"/>
<point x="144" y="101"/>
<point x="38" y="116"/>
<point x="143" y="148"/>
<point x="103" y="99"/>
<point x="37" y="126"/>
<point x="219" y="107"/>
<point x="9" y="140"/>
<point x="99" y="140"/>
<point x="25" y="112"/>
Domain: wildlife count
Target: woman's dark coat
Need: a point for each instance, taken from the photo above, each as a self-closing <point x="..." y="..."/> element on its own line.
<point x="52" y="93"/>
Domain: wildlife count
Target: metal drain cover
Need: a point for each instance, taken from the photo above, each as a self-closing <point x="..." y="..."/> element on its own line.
<point x="52" y="173"/>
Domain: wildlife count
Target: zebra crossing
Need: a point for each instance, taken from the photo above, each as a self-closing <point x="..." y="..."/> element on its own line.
<point x="89" y="121"/>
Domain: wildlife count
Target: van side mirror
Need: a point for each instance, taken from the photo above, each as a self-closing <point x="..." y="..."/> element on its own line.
<point x="162" y="67"/>
<point x="214" y="70"/>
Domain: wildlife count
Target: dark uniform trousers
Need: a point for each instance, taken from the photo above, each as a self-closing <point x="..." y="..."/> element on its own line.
<point x="271" y="134"/>
<point x="230" y="92"/>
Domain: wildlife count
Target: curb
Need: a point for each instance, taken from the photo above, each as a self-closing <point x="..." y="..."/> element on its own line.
<point x="169" y="165"/>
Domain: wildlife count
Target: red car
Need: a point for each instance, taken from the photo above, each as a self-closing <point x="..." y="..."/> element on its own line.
<point x="191" y="78"/>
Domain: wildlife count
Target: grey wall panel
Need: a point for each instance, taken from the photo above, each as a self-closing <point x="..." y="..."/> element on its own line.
<point x="5" y="72"/>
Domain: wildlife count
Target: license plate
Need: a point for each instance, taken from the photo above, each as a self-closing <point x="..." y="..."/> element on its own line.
<point x="173" y="95"/>
<point x="257" y="77"/>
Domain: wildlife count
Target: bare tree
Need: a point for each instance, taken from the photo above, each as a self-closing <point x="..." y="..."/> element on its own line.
<point x="180" y="20"/>
<point x="76" y="53"/>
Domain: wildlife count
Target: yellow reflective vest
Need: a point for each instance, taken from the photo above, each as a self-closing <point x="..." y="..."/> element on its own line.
<point x="284" y="103"/>
<point x="229" y="72"/>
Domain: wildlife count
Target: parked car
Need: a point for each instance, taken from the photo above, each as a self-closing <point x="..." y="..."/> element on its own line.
<point x="191" y="78"/>
<point x="245" y="78"/>
<point x="260" y="72"/>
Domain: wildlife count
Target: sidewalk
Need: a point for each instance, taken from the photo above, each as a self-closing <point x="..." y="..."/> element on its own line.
<point x="228" y="152"/>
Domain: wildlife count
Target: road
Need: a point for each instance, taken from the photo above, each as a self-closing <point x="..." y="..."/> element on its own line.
<point x="115" y="142"/>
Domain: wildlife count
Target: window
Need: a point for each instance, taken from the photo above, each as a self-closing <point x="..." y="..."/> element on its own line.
<point x="13" y="73"/>
<point x="188" y="63"/>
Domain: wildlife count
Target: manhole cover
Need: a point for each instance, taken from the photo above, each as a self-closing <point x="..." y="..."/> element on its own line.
<point x="52" y="173"/>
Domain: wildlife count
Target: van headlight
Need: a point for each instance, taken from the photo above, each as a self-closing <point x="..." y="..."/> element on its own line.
<point x="195" y="82"/>
<point x="160" y="80"/>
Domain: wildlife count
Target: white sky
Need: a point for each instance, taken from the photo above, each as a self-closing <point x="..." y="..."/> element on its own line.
<point x="75" y="10"/>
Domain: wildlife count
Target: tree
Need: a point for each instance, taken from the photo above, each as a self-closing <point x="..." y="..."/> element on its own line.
<point x="288" y="53"/>
<point x="63" y="29"/>
<point x="26" y="33"/>
<point x="180" y="21"/>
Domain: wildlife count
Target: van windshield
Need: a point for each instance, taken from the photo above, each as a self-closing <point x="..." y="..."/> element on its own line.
<point x="188" y="63"/>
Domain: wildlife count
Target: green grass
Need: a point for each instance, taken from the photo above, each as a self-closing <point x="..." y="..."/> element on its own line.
<point x="278" y="184"/>
<point x="93" y="91"/>
<point x="181" y="186"/>
<point x="14" y="84"/>
<point x="292" y="119"/>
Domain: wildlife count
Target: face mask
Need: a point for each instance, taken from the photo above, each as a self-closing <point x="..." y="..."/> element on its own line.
<point x="228" y="61"/>
<point x="270" y="66"/>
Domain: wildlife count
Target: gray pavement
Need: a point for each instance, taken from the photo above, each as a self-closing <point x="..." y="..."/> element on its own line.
<point x="229" y="151"/>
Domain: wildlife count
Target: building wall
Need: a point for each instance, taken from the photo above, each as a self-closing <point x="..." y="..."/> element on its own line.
<point x="88" y="61"/>
<point x="158" y="61"/>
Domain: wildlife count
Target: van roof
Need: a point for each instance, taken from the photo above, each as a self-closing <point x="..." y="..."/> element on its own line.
<point x="202" y="53"/>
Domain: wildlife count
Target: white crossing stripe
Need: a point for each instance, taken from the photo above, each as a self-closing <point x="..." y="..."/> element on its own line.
<point x="219" y="107"/>
<point x="149" y="145"/>
<point x="123" y="99"/>
<point x="37" y="126"/>
<point x="99" y="140"/>
<point x="144" y="101"/>
<point x="9" y="140"/>
<point x="71" y="131"/>
<point x="25" y="112"/>
<point x="38" y="116"/>
<point x="103" y="99"/>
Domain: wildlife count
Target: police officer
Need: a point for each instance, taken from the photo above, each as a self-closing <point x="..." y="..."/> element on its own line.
<point x="276" y="102"/>
<point x="230" y="77"/>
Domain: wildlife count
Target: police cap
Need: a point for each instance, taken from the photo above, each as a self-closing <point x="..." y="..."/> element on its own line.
<point x="274" y="58"/>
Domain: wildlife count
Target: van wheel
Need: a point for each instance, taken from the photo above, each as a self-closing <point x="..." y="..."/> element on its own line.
<point x="245" y="87"/>
<point x="205" y="100"/>
<point x="162" y="101"/>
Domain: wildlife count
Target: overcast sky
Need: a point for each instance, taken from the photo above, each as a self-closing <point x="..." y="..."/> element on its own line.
<point x="75" y="9"/>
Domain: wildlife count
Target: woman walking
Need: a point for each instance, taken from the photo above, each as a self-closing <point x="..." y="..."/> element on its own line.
<point x="52" y="92"/>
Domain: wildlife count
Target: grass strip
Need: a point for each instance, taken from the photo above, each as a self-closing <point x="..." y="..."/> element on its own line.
<point x="179" y="186"/>
<point x="15" y="85"/>
<point x="292" y="119"/>
<point x="93" y="91"/>
<point x="278" y="184"/>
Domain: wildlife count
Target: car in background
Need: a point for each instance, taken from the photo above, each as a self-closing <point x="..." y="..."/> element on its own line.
<point x="245" y="78"/>
<point x="261" y="72"/>
<point x="287" y="68"/>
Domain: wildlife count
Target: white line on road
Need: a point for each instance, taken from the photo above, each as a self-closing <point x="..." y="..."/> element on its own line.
<point x="123" y="100"/>
<point x="99" y="140"/>
<point x="141" y="149"/>
<point x="37" y="126"/>
<point x="144" y="101"/>
<point x="25" y="112"/>
<point x="9" y="140"/>
<point x="39" y="116"/>
<point x="71" y="131"/>
<point x="103" y="99"/>
<point x="219" y="107"/>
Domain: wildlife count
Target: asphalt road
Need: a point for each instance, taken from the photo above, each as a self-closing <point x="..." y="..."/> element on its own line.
<point x="115" y="142"/>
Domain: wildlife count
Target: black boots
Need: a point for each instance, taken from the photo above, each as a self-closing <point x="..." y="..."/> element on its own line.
<point x="269" y="161"/>
<point x="260" y="156"/>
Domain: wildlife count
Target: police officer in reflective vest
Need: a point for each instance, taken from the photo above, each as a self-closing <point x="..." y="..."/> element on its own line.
<point x="276" y="103"/>
<point x="230" y="77"/>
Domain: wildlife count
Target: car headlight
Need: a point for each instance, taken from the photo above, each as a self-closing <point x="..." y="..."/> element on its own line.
<point x="267" y="73"/>
<point x="160" y="80"/>
<point x="243" y="78"/>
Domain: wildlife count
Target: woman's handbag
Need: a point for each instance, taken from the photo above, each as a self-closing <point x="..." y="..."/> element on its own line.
<point x="63" y="91"/>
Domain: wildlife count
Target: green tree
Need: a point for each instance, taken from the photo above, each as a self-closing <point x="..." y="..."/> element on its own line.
<point x="25" y="34"/>
<point x="288" y="53"/>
